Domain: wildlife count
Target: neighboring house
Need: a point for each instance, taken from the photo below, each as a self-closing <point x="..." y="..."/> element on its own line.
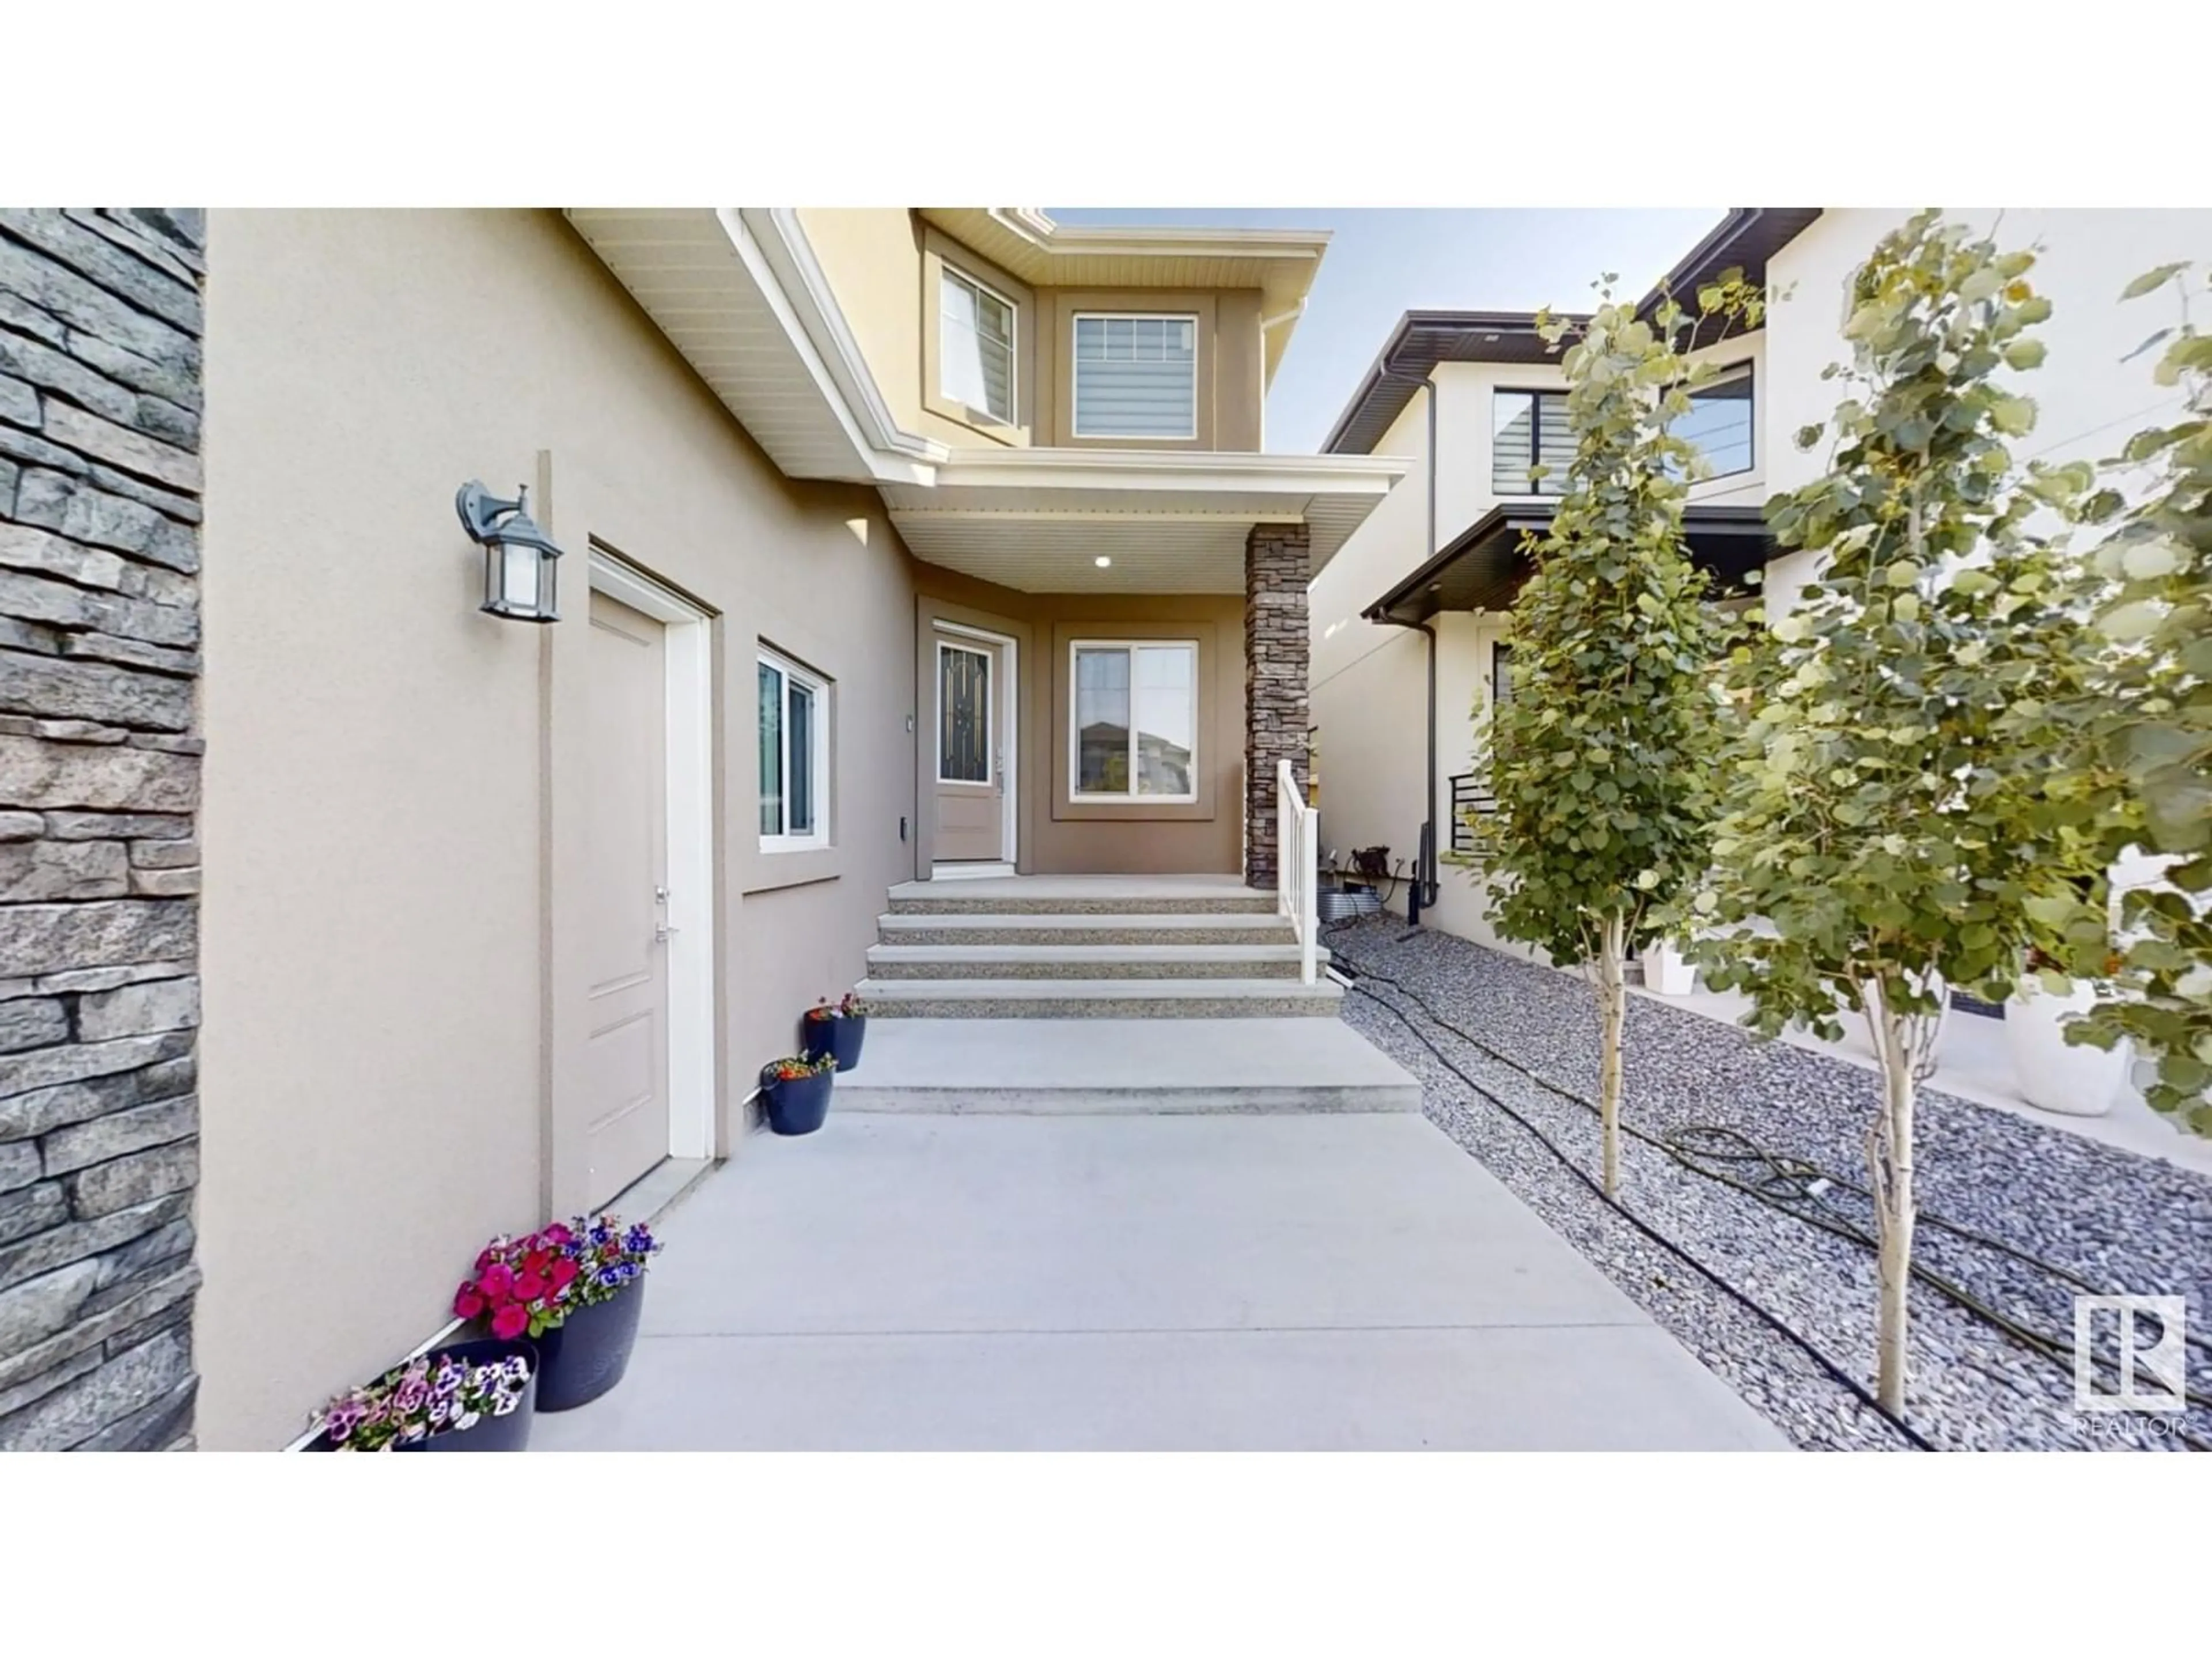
<point x="899" y="543"/>
<point x="1410" y="619"/>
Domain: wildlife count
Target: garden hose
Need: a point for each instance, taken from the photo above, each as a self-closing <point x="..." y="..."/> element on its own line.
<point x="1789" y="1184"/>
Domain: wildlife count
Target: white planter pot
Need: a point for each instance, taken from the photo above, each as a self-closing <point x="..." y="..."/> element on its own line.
<point x="1667" y="971"/>
<point x="2050" y="1073"/>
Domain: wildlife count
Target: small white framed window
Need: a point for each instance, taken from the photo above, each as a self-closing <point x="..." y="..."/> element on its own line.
<point x="975" y="347"/>
<point x="1133" y="724"/>
<point x="794" y="756"/>
<point x="1136" y="375"/>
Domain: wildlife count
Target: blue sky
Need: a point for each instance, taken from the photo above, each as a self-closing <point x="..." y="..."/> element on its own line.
<point x="1385" y="261"/>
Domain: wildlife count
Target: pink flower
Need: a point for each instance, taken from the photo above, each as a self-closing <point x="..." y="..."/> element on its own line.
<point x="467" y="1304"/>
<point x="529" y="1287"/>
<point x="510" y="1320"/>
<point x="498" y="1280"/>
<point x="557" y="1234"/>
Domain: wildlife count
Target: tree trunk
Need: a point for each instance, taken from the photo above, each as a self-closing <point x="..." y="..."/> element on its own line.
<point x="1889" y="1164"/>
<point x="1613" y="1009"/>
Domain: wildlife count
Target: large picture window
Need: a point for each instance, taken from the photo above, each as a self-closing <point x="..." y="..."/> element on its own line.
<point x="1134" y="720"/>
<point x="794" y="756"/>
<point x="1529" y="428"/>
<point x="975" y="347"/>
<point x="1136" y="376"/>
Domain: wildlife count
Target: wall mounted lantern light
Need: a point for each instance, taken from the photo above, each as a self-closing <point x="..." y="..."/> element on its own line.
<point x="519" y="556"/>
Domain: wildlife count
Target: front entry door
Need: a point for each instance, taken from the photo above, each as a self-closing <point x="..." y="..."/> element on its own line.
<point x="971" y="749"/>
<point x="627" y="1059"/>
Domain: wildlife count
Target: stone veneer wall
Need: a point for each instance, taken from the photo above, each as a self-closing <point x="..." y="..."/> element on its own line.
<point x="1276" y="653"/>
<point x="99" y="509"/>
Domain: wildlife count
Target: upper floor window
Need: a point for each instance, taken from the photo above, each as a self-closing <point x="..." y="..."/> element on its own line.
<point x="794" y="756"/>
<point x="1529" y="428"/>
<point x="1136" y="376"/>
<point x="1719" y="421"/>
<point x="975" y="347"/>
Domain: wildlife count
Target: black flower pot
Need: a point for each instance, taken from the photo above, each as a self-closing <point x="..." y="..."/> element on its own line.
<point x="841" y="1037"/>
<point x="796" y="1105"/>
<point x="586" y="1353"/>
<point x="510" y="1433"/>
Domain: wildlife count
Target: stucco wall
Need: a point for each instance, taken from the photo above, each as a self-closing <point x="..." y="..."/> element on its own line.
<point x="393" y="809"/>
<point x="883" y="264"/>
<point x="1056" y="837"/>
<point x="2089" y="401"/>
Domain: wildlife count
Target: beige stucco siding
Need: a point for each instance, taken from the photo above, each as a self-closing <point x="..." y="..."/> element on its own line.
<point x="872" y="259"/>
<point x="884" y="264"/>
<point x="393" y="777"/>
<point x="1057" y="837"/>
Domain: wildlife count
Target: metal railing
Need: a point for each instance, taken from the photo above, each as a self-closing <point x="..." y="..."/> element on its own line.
<point x="1297" y="867"/>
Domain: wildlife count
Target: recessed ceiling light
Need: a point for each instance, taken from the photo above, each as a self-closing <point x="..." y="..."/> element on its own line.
<point x="1490" y="339"/>
<point x="1102" y="562"/>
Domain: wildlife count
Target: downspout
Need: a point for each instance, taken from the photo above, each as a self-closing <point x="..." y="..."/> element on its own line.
<point x="1422" y="894"/>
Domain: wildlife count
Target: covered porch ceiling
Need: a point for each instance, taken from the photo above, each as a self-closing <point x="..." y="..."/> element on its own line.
<point x="1484" y="566"/>
<point x="1039" y="520"/>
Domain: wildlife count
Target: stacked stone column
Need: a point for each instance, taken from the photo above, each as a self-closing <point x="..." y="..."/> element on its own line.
<point x="99" y="774"/>
<point x="1276" y="649"/>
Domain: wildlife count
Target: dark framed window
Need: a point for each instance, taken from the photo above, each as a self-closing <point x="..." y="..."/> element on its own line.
<point x="1720" y="423"/>
<point x="1501" y="674"/>
<point x="1529" y="428"/>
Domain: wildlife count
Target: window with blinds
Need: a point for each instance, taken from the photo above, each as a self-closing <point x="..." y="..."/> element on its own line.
<point x="1529" y="428"/>
<point x="975" y="347"/>
<point x="1136" y="377"/>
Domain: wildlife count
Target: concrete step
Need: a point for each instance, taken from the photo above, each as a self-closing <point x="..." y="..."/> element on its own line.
<point x="1101" y="927"/>
<point x="1064" y="962"/>
<point x="1098" y="999"/>
<point x="1083" y="1067"/>
<point x="947" y="899"/>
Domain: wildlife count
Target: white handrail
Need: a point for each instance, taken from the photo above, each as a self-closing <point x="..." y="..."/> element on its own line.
<point x="1298" y="868"/>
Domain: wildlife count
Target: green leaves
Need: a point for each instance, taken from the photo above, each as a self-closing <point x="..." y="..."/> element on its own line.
<point x="1906" y="841"/>
<point x="1603" y="764"/>
<point x="2152" y="280"/>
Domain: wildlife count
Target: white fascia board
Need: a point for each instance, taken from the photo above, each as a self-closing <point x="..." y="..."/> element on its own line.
<point x="1050" y="238"/>
<point x="775" y="252"/>
<point x="806" y="290"/>
<point x="1172" y="471"/>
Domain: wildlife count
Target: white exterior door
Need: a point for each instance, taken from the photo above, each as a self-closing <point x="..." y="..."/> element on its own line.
<point x="627" y="1059"/>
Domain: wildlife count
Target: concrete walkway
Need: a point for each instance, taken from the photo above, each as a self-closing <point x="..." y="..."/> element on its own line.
<point x="1137" y="1282"/>
<point x="1149" y="1065"/>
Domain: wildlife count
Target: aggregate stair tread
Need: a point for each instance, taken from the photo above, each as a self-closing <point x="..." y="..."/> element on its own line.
<point x="1059" y="961"/>
<point x="1063" y="928"/>
<point x="1129" y="998"/>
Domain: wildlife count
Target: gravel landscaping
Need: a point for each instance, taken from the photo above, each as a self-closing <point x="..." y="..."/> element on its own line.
<point x="2115" y="1220"/>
